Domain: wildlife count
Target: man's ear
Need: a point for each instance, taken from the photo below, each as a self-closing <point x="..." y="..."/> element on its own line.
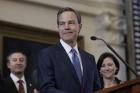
<point x="8" y="64"/>
<point x="80" y="26"/>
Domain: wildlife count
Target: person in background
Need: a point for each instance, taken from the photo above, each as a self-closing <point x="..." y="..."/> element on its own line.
<point x="16" y="82"/>
<point x="108" y="67"/>
<point x="63" y="67"/>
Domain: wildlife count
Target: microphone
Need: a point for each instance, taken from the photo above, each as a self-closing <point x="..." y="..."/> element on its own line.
<point x="95" y="38"/>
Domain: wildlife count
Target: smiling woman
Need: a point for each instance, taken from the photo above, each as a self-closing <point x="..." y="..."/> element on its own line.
<point x="108" y="67"/>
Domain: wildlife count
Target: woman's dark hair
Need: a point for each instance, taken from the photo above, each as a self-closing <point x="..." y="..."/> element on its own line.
<point x="65" y="9"/>
<point x="105" y="55"/>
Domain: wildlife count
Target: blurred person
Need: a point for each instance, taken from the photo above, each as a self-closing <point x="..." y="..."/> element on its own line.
<point x="16" y="81"/>
<point x="65" y="68"/>
<point x="108" y="67"/>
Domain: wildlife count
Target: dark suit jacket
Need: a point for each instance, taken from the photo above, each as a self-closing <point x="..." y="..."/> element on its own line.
<point x="9" y="86"/>
<point x="56" y="73"/>
<point x="1" y="86"/>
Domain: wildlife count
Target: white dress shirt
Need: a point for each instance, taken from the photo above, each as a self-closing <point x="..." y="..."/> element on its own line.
<point x="68" y="51"/>
<point x="15" y="80"/>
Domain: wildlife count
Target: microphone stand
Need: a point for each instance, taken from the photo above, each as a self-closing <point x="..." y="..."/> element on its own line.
<point x="118" y="56"/>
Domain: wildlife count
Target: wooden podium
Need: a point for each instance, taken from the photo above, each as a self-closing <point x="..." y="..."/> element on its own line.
<point x="132" y="86"/>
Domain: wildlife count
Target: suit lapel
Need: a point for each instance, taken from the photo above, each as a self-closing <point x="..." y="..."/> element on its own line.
<point x="84" y="61"/>
<point x="10" y="86"/>
<point x="29" y="87"/>
<point x="63" y="57"/>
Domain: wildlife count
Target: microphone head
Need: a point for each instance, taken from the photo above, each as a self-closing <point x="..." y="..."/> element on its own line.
<point x="93" y="38"/>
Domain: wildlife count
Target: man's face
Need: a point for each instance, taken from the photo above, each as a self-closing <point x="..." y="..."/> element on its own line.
<point x="68" y="27"/>
<point x="17" y="63"/>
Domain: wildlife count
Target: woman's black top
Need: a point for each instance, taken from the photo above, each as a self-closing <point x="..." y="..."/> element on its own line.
<point x="118" y="81"/>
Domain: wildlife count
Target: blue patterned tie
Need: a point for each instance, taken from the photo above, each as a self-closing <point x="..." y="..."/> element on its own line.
<point x="76" y="64"/>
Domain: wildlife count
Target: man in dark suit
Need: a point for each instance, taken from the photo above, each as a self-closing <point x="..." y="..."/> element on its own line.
<point x="17" y="62"/>
<point x="57" y="72"/>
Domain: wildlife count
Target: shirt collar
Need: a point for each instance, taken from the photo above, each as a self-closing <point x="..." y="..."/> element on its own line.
<point x="68" y="47"/>
<point x="15" y="78"/>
